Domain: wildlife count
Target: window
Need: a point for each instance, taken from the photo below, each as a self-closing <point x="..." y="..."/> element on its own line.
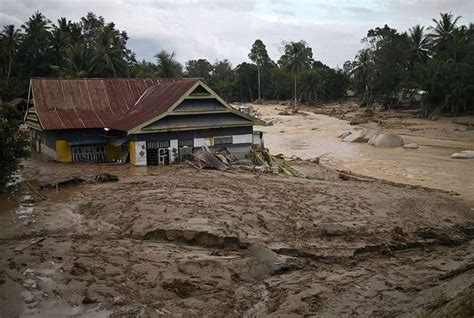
<point x="157" y="144"/>
<point x="89" y="153"/>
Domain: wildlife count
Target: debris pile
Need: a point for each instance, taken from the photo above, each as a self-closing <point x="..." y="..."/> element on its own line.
<point x="262" y="157"/>
<point x="206" y="159"/>
<point x="74" y="181"/>
<point x="465" y="154"/>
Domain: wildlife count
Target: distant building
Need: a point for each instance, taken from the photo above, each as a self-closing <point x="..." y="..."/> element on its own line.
<point x="144" y="121"/>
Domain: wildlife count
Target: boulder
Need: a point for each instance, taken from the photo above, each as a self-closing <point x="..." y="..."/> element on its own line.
<point x="466" y="154"/>
<point x="411" y="146"/>
<point x="355" y="136"/>
<point x="387" y="140"/>
<point x="274" y="262"/>
<point x="344" y="134"/>
<point x="360" y="136"/>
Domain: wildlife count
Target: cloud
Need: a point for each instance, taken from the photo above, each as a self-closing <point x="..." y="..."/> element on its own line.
<point x="226" y="29"/>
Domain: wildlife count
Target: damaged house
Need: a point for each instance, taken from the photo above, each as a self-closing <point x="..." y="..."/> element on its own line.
<point x="142" y="121"/>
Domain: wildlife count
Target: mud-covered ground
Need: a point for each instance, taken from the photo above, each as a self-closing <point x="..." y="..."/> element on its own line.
<point x="176" y="241"/>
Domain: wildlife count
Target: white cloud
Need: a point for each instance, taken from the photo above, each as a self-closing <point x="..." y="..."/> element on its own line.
<point x="226" y="29"/>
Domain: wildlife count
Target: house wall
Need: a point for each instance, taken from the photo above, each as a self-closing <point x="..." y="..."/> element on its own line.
<point x="63" y="151"/>
<point x="240" y="147"/>
<point x="43" y="142"/>
<point x="54" y="144"/>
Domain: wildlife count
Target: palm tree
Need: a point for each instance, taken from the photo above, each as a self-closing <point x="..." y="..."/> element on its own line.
<point x="109" y="53"/>
<point x="297" y="57"/>
<point x="11" y="36"/>
<point x="77" y="61"/>
<point x="443" y="30"/>
<point x="61" y="38"/>
<point x="363" y="73"/>
<point x="35" y="48"/>
<point x="418" y="42"/>
<point x="167" y="66"/>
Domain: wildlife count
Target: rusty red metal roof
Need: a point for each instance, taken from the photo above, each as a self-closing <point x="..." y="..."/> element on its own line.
<point x="154" y="102"/>
<point x="99" y="103"/>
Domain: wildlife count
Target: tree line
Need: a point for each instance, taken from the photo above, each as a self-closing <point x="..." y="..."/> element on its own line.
<point x="436" y="62"/>
<point x="92" y="47"/>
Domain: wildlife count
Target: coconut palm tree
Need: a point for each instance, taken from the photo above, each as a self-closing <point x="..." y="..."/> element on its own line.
<point x="108" y="55"/>
<point x="11" y="36"/>
<point x="419" y="43"/>
<point x="35" y="49"/>
<point x="443" y="30"/>
<point x="167" y="66"/>
<point x="297" y="56"/>
<point x="362" y="72"/>
<point x="77" y="61"/>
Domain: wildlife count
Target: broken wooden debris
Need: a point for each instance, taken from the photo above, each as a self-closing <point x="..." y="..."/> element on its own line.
<point x="105" y="177"/>
<point x="99" y="178"/>
<point x="262" y="157"/>
<point x="33" y="242"/>
<point x="206" y="159"/>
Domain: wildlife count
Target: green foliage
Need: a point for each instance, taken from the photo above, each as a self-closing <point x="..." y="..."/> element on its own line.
<point x="222" y="79"/>
<point x="13" y="144"/>
<point x="167" y="66"/>
<point x="246" y="81"/>
<point x="321" y="84"/>
<point x="297" y="56"/>
<point x="259" y="55"/>
<point x="199" y="68"/>
<point x="438" y="64"/>
<point x="93" y="47"/>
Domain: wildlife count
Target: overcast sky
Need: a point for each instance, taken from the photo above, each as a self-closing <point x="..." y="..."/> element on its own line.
<point x="227" y="28"/>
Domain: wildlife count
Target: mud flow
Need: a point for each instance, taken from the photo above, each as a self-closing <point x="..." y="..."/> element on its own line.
<point x="177" y="241"/>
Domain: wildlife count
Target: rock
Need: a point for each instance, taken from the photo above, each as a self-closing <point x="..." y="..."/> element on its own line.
<point x="360" y="136"/>
<point x="276" y="263"/>
<point x="344" y="134"/>
<point x="119" y="300"/>
<point x="387" y="140"/>
<point x="29" y="283"/>
<point x="411" y="146"/>
<point x="356" y="136"/>
<point x="465" y="154"/>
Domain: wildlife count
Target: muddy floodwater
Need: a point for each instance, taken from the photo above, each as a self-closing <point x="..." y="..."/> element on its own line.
<point x="309" y="135"/>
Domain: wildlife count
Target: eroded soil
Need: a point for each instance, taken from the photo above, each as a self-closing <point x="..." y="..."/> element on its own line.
<point x="176" y="241"/>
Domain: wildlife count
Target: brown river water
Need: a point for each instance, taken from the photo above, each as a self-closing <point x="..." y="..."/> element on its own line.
<point x="311" y="135"/>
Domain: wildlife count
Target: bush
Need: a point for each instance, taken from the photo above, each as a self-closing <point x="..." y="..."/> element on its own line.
<point x="13" y="144"/>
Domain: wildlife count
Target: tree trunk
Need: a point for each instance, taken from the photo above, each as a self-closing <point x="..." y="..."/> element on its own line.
<point x="9" y="67"/>
<point x="259" y="95"/>
<point x="295" y="92"/>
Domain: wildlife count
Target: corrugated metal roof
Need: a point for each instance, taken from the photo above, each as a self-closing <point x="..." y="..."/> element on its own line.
<point x="154" y="102"/>
<point x="98" y="103"/>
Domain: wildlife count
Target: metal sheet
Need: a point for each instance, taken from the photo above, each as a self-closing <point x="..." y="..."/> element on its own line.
<point x="99" y="103"/>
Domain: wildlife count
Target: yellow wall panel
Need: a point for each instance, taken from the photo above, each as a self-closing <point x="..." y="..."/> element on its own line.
<point x="132" y="154"/>
<point x="63" y="151"/>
